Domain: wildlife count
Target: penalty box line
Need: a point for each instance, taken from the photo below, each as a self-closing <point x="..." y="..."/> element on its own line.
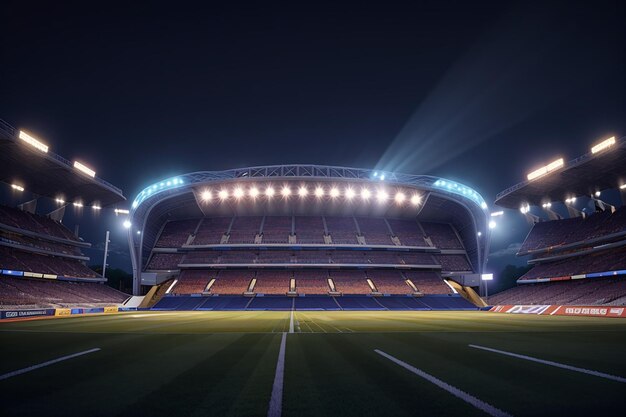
<point x="276" y="401"/>
<point x="468" y="398"/>
<point x="51" y="362"/>
<point x="551" y="363"/>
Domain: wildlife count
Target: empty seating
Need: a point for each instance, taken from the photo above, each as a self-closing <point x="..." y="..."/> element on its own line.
<point x="31" y="262"/>
<point x="375" y="230"/>
<point x="427" y="282"/>
<point x="276" y="229"/>
<point x="408" y="231"/>
<point x="47" y="293"/>
<point x="311" y="282"/>
<point x="232" y="282"/>
<point x="272" y="282"/>
<point x="350" y="282"/>
<point x="164" y="261"/>
<point x="309" y="229"/>
<point x="342" y="230"/>
<point x="442" y="235"/>
<point x="34" y="223"/>
<point x="244" y="229"/>
<point x="175" y="233"/>
<point x="389" y="282"/>
<point x="193" y="281"/>
<point x="453" y="262"/>
<point x="211" y="230"/>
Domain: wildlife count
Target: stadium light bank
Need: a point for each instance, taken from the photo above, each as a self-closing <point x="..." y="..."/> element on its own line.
<point x="552" y="166"/>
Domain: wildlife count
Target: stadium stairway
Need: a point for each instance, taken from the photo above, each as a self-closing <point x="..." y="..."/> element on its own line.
<point x="468" y="293"/>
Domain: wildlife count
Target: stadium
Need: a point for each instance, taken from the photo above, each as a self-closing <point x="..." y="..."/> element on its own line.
<point x="309" y="289"/>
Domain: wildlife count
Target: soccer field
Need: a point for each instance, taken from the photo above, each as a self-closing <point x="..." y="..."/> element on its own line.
<point x="331" y="363"/>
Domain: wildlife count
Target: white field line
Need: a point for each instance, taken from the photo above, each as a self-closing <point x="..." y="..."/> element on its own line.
<point x="551" y="363"/>
<point x="291" y="323"/>
<point x="276" y="401"/>
<point x="554" y="312"/>
<point x="470" y="399"/>
<point x="51" y="362"/>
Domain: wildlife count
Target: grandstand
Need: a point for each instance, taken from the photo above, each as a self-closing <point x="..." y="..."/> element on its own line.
<point x="305" y="236"/>
<point x="41" y="260"/>
<point x="577" y="243"/>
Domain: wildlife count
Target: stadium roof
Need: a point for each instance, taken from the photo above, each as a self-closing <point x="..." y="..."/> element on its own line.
<point x="47" y="174"/>
<point x="583" y="176"/>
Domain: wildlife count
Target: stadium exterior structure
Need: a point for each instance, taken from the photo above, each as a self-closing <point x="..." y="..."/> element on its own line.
<point x="440" y="200"/>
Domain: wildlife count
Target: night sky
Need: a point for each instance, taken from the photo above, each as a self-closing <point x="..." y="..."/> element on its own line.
<point x="480" y="92"/>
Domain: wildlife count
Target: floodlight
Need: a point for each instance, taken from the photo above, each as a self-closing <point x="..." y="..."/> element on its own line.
<point x="206" y="195"/>
<point x="127" y="224"/>
<point x="486" y="277"/>
<point x="303" y="191"/>
<point x="269" y="191"/>
<point x="319" y="192"/>
<point x="365" y="194"/>
<point x="96" y="207"/>
<point x="84" y="169"/>
<point x="285" y="191"/>
<point x="623" y="186"/>
<point x="382" y="177"/>
<point x="545" y="169"/>
<point x="77" y="204"/>
<point x="138" y="232"/>
<point x="334" y="192"/>
<point x="350" y="193"/>
<point x="382" y="196"/>
<point x="32" y="141"/>
<point x="479" y="234"/>
<point x="598" y="193"/>
<point x="400" y="197"/>
<point x="60" y="200"/>
<point x="607" y="143"/>
<point x="121" y="211"/>
<point x="483" y="205"/>
<point x="497" y="213"/>
<point x="238" y="193"/>
<point x="223" y="194"/>
<point x="416" y="199"/>
<point x="492" y="224"/>
<point x="254" y="192"/>
<point x="17" y="187"/>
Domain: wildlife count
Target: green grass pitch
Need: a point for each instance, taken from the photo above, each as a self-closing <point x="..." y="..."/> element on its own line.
<point x="224" y="364"/>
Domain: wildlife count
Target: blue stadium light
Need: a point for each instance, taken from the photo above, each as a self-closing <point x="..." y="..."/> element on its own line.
<point x="460" y="189"/>
<point x="382" y="177"/>
<point x="127" y="224"/>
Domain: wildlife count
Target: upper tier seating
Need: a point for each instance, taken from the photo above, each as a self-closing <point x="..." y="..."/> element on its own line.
<point x="175" y="233"/>
<point x="610" y="260"/>
<point x="211" y="230"/>
<point x="30" y="262"/>
<point x="442" y="235"/>
<point x="46" y="293"/>
<point x="35" y="223"/>
<point x="408" y="231"/>
<point x="18" y="239"/>
<point x="276" y="229"/>
<point x="244" y="229"/>
<point x="577" y="229"/>
<point x="309" y="229"/>
<point x="375" y="231"/>
<point x="342" y="230"/>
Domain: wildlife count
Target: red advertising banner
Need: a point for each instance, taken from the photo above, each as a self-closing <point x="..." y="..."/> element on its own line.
<point x="559" y="310"/>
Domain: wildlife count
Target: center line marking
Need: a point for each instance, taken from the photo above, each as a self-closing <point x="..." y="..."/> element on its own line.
<point x="470" y="399"/>
<point x="41" y="365"/>
<point x="276" y="401"/>
<point x="551" y="363"/>
<point x="291" y="323"/>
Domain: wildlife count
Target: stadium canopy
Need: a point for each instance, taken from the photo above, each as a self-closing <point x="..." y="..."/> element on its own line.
<point x="583" y="176"/>
<point x="243" y="192"/>
<point x="47" y="174"/>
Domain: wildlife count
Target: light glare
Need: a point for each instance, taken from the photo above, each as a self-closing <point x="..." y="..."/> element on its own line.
<point x="334" y="192"/>
<point x="319" y="192"/>
<point x="365" y="194"/>
<point x="416" y="199"/>
<point x="84" y="169"/>
<point x="607" y="143"/>
<point x="238" y="193"/>
<point x="32" y="141"/>
<point x="302" y="191"/>
<point x="400" y="197"/>
<point x="350" y="193"/>
<point x="223" y="194"/>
